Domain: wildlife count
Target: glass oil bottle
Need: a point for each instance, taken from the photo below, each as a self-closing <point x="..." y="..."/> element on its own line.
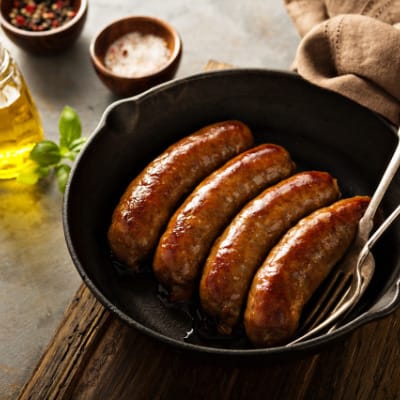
<point x="20" y="125"/>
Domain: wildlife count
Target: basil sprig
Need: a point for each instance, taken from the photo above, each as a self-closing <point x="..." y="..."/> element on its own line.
<point x="47" y="156"/>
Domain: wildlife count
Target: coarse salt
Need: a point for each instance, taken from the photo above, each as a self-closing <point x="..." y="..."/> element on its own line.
<point x="135" y="54"/>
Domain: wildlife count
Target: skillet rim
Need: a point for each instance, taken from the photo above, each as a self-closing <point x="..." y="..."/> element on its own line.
<point x="310" y="345"/>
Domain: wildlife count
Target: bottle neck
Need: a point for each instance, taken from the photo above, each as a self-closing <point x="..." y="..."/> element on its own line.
<point x="4" y="61"/>
<point x="6" y="69"/>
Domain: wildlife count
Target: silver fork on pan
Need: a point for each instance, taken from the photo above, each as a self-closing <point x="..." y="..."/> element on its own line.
<point x="354" y="273"/>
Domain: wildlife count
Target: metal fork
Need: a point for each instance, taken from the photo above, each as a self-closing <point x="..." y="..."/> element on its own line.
<point x="354" y="273"/>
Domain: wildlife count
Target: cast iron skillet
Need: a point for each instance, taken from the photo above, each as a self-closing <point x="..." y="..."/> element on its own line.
<point x="321" y="130"/>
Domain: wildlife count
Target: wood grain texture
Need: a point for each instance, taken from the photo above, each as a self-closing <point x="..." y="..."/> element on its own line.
<point x="84" y="323"/>
<point x="95" y="356"/>
<point x="128" y="365"/>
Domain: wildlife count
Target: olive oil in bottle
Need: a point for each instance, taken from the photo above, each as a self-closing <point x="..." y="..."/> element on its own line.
<point x="20" y="125"/>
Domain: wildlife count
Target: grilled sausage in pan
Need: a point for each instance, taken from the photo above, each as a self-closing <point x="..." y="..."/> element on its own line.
<point x="192" y="230"/>
<point x="295" y="267"/>
<point x="245" y="243"/>
<point x="153" y="196"/>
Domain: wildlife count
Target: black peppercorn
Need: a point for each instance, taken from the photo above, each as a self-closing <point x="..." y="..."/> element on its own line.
<point x="40" y="15"/>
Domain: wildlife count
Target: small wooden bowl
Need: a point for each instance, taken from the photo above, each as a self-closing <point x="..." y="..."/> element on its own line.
<point x="128" y="86"/>
<point x="45" y="42"/>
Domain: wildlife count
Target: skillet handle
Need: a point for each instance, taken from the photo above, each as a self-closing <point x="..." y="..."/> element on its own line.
<point x="386" y="304"/>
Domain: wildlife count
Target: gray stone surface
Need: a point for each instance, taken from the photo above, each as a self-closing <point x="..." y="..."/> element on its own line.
<point x="37" y="277"/>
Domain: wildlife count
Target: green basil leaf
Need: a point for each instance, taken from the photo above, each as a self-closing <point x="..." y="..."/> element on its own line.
<point x="77" y="144"/>
<point x="75" y="147"/>
<point x="62" y="174"/>
<point x="69" y="126"/>
<point x="71" y="155"/>
<point x="45" y="153"/>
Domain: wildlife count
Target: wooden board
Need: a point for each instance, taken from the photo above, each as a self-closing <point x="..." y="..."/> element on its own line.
<point x="93" y="355"/>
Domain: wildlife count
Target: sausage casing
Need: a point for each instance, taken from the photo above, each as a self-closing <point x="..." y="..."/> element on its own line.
<point x="295" y="267"/>
<point x="244" y="244"/>
<point x="151" y="198"/>
<point x="192" y="230"/>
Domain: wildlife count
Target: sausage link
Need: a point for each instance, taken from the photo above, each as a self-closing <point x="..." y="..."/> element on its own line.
<point x="246" y="242"/>
<point x="295" y="267"/>
<point x="152" y="197"/>
<point x="185" y="244"/>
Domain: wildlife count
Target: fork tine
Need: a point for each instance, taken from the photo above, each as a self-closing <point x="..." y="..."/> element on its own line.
<point x="340" y="292"/>
<point x="360" y="279"/>
<point x="351" y="296"/>
<point x="323" y="306"/>
<point x="335" y="290"/>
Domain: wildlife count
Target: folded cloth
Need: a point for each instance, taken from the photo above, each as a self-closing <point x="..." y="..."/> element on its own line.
<point x="351" y="47"/>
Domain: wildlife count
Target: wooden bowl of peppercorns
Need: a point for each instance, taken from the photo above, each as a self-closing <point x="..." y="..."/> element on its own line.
<point x="43" y="26"/>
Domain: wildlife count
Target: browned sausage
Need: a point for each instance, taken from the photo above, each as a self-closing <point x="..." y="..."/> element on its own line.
<point x="184" y="246"/>
<point x="295" y="267"/>
<point x="245" y="243"/>
<point x="152" y="196"/>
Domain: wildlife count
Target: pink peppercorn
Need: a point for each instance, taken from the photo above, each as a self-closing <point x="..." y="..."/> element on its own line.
<point x="20" y="20"/>
<point x="30" y="8"/>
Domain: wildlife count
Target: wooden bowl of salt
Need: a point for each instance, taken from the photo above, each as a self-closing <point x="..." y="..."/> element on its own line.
<point x="136" y="53"/>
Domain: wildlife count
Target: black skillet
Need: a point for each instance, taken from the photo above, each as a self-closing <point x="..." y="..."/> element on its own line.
<point x="321" y="130"/>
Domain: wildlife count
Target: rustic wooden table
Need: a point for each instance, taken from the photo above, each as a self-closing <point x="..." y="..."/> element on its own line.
<point x="92" y="355"/>
<point x="95" y="356"/>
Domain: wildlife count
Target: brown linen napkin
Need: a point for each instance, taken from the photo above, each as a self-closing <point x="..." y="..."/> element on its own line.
<point x="351" y="47"/>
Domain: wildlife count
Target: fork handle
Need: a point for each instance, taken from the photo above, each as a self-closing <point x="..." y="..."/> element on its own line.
<point x="366" y="222"/>
<point x="382" y="228"/>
